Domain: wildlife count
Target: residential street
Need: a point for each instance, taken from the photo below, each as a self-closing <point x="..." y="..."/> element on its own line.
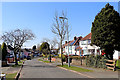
<point x="35" y="69"/>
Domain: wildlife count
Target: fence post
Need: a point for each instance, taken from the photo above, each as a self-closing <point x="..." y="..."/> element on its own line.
<point x="115" y="66"/>
<point x="81" y="60"/>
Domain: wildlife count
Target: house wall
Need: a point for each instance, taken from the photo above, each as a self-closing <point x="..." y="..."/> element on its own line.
<point x="86" y="47"/>
<point x="71" y="50"/>
<point x="77" y="52"/>
<point x="116" y="54"/>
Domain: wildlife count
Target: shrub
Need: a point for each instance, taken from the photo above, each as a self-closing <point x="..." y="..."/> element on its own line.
<point x="55" y="56"/>
<point x="96" y="61"/>
<point x="44" y="55"/>
<point x="63" y="57"/>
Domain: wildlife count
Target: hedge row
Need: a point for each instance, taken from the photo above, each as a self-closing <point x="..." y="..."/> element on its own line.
<point x="96" y="61"/>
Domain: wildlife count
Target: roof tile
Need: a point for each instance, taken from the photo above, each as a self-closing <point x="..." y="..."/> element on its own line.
<point x="87" y="37"/>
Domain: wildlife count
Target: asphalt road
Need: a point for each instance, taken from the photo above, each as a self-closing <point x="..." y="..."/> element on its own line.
<point x="36" y="69"/>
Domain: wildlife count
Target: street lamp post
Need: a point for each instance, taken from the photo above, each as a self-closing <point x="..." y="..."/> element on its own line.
<point x="67" y="39"/>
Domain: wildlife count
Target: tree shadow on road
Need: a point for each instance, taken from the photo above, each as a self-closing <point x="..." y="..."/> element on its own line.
<point x="40" y="66"/>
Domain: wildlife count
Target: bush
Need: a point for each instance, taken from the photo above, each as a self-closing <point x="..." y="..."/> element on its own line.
<point x="44" y="55"/>
<point x="56" y="56"/>
<point x="63" y="57"/>
<point x="96" y="61"/>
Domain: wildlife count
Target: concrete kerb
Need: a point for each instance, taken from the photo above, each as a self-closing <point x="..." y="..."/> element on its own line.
<point x="18" y="73"/>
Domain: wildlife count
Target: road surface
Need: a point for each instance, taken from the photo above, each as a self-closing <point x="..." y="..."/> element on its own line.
<point x="36" y="69"/>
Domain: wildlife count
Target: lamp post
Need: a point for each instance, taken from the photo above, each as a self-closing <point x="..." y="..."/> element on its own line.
<point x="67" y="38"/>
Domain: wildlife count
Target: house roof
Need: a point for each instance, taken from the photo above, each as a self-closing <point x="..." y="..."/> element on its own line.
<point x="87" y="37"/>
<point x="78" y="39"/>
<point x="73" y="42"/>
<point x="77" y="48"/>
<point x="70" y="43"/>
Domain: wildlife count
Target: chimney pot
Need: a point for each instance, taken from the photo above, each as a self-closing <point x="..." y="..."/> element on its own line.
<point x="65" y="42"/>
<point x="75" y="38"/>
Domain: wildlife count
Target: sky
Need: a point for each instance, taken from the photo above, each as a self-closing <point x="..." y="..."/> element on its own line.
<point x="38" y="17"/>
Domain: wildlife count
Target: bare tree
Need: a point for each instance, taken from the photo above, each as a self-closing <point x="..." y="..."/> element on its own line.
<point x="59" y="28"/>
<point x="16" y="38"/>
<point x="52" y="42"/>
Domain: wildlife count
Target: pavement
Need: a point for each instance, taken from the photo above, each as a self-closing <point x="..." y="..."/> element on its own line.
<point x="37" y="69"/>
<point x="9" y="69"/>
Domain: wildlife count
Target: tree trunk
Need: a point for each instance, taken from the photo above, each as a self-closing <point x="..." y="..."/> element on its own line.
<point x="16" y="62"/>
<point x="50" y="55"/>
<point x="19" y="54"/>
<point x="61" y="53"/>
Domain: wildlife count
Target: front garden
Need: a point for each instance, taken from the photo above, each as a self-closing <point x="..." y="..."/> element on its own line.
<point x="97" y="61"/>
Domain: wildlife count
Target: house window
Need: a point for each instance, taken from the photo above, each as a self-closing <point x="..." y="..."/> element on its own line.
<point x="89" y="41"/>
<point x="70" y="48"/>
<point x="83" y="42"/>
<point x="73" y="47"/>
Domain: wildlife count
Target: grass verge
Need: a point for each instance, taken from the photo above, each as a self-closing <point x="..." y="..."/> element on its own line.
<point x="17" y="65"/>
<point x="11" y="76"/>
<point x="45" y="61"/>
<point x="75" y="68"/>
<point x="118" y="63"/>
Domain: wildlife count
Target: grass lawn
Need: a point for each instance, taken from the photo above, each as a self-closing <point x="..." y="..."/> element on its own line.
<point x="118" y="63"/>
<point x="40" y="60"/>
<point x="17" y="65"/>
<point x="11" y="76"/>
<point x="44" y="61"/>
<point x="75" y="68"/>
<point x="20" y="62"/>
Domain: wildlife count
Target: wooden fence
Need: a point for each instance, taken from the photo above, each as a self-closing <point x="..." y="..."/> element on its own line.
<point x="111" y="64"/>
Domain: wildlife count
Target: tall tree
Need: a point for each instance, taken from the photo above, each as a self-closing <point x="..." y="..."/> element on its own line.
<point x="44" y="48"/>
<point x="52" y="42"/>
<point x="16" y="39"/>
<point x="34" y="47"/>
<point x="59" y="28"/>
<point x="105" y="30"/>
<point x="4" y="51"/>
<point x="0" y="53"/>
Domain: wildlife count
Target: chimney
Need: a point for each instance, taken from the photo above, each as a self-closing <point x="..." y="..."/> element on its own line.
<point x="65" y="42"/>
<point x="75" y="38"/>
<point x="80" y="37"/>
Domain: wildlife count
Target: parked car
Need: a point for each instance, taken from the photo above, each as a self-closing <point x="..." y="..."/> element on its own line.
<point x="28" y="57"/>
<point x="40" y="55"/>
